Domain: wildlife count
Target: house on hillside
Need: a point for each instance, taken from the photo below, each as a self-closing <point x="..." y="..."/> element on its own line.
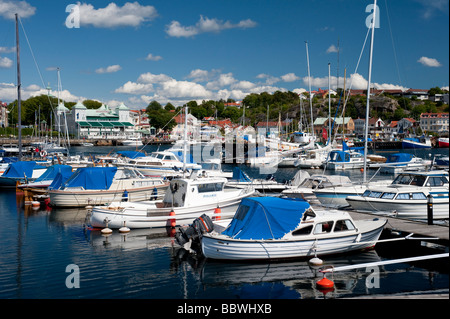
<point x="434" y="122"/>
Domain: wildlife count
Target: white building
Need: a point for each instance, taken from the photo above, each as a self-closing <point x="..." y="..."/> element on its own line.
<point x="434" y="122"/>
<point x="101" y="123"/>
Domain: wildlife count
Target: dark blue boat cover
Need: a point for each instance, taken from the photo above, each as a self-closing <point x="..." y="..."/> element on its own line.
<point x="399" y="158"/>
<point x="18" y="169"/>
<point x="179" y="155"/>
<point x="53" y="170"/>
<point x="131" y="154"/>
<point x="239" y="175"/>
<point x="91" y="178"/>
<point x="266" y="218"/>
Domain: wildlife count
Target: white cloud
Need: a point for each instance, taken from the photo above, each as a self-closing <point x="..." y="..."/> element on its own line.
<point x="445" y="88"/>
<point x="269" y="78"/>
<point x="175" y="29"/>
<point x="153" y="78"/>
<point x="135" y="88"/>
<point x="151" y="57"/>
<point x="109" y="69"/>
<point x="7" y="50"/>
<point x="332" y="49"/>
<point x="223" y="80"/>
<point x="431" y="6"/>
<point x="290" y="77"/>
<point x="8" y="92"/>
<point x="5" y="62"/>
<point x="8" y="9"/>
<point x="355" y="82"/>
<point x="112" y="16"/>
<point x="429" y="62"/>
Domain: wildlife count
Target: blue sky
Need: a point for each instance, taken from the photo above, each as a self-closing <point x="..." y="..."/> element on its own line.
<point x="176" y="51"/>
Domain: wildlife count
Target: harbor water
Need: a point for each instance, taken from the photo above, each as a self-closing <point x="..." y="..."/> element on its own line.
<point x="50" y="253"/>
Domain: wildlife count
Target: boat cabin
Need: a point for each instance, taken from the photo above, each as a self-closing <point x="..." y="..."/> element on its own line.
<point x="191" y="192"/>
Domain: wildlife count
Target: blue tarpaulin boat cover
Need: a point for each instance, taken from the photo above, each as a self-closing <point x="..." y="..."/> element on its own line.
<point x="399" y="158"/>
<point x="91" y="178"/>
<point x="53" y="170"/>
<point x="131" y="154"/>
<point x="266" y="218"/>
<point x="239" y="175"/>
<point x="21" y="168"/>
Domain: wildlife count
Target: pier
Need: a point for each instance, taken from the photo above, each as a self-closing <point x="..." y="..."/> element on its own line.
<point x="407" y="226"/>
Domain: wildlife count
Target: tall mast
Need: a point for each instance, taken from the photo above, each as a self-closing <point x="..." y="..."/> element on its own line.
<point x="329" y="103"/>
<point x="19" y="102"/>
<point x="310" y="96"/>
<point x="374" y="17"/>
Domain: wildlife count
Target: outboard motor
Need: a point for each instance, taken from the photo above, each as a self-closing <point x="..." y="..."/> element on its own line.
<point x="199" y="226"/>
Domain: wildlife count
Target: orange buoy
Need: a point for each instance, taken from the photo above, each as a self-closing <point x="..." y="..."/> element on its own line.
<point x="171" y="222"/>
<point x="362" y="170"/>
<point x="217" y="212"/>
<point x="325" y="283"/>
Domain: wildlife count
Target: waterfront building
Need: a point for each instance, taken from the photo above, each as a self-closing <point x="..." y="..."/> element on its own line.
<point x="101" y="123"/>
<point x="434" y="122"/>
<point x="3" y="114"/>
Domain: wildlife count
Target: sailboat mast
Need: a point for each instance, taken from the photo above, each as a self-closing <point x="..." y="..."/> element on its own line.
<point x="329" y="103"/>
<point x="368" y="87"/>
<point x="19" y="102"/>
<point x="310" y="96"/>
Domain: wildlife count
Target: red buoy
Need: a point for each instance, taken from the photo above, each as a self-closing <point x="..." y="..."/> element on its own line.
<point x="172" y="222"/>
<point x="217" y="212"/>
<point x="325" y="283"/>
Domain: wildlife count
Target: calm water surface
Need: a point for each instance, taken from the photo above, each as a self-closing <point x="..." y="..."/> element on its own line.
<point x="37" y="245"/>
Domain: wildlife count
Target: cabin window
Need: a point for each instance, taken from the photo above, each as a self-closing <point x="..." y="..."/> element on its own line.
<point x="210" y="187"/>
<point x="241" y="212"/>
<point x="403" y="196"/>
<point x="374" y="194"/>
<point x="366" y="193"/>
<point x="323" y="228"/>
<point x="436" y="181"/>
<point x="388" y="195"/>
<point x="418" y="196"/>
<point x="303" y="231"/>
<point x="418" y="180"/>
<point x="345" y="224"/>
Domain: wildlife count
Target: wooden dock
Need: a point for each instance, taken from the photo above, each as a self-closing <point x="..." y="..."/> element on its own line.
<point x="405" y="226"/>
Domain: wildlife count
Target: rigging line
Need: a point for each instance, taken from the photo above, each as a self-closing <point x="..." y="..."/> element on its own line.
<point x="392" y="40"/>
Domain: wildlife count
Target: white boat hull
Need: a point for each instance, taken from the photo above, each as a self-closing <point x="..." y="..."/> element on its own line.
<point x="413" y="209"/>
<point x="221" y="247"/>
<point x="148" y="215"/>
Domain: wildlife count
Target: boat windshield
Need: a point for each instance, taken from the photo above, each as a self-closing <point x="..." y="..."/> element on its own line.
<point x="416" y="180"/>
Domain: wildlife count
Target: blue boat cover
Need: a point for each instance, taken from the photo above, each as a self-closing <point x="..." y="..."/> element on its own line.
<point x="21" y="169"/>
<point x="131" y="154"/>
<point x="399" y="158"/>
<point x="91" y="178"/>
<point x="339" y="156"/>
<point x="266" y="218"/>
<point x="239" y="175"/>
<point x="51" y="172"/>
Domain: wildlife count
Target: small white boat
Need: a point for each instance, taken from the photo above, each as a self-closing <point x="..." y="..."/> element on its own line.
<point x="103" y="185"/>
<point x="161" y="163"/>
<point x="400" y="162"/>
<point x="407" y="196"/>
<point x="21" y="172"/>
<point x="132" y="141"/>
<point x="344" y="160"/>
<point x="240" y="179"/>
<point x="185" y="200"/>
<point x="316" y="181"/>
<point x="268" y="228"/>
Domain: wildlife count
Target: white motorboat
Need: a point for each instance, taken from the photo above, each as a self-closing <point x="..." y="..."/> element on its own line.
<point x="132" y="141"/>
<point x="316" y="181"/>
<point x="343" y="160"/>
<point x="407" y="196"/>
<point x="103" y="185"/>
<point x="185" y="200"/>
<point x="21" y="172"/>
<point x="162" y="163"/>
<point x="400" y="162"/>
<point x="268" y="228"/>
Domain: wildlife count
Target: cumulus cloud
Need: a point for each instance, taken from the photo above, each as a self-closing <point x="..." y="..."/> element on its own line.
<point x="109" y="69"/>
<point x="5" y="62"/>
<point x="332" y="49"/>
<point x="151" y="57"/>
<point x="8" y="92"/>
<point x="8" y="9"/>
<point x="356" y="82"/>
<point x="7" y="50"/>
<point x="429" y="62"/>
<point x="290" y="77"/>
<point x="175" y="29"/>
<point x="135" y="88"/>
<point x="113" y="16"/>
